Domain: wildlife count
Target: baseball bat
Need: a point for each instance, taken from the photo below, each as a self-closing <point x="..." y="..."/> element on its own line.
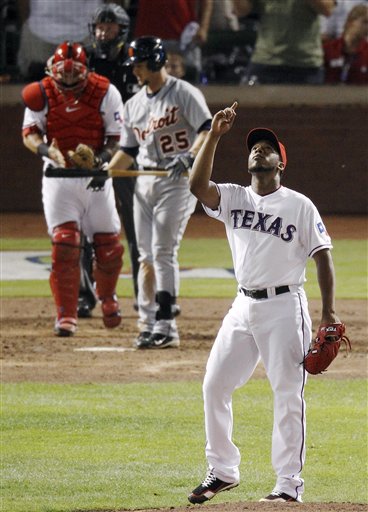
<point x="62" y="172"/>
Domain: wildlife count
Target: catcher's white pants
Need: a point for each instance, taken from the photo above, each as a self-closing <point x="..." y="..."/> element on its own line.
<point x="276" y="330"/>
<point x="68" y="199"/>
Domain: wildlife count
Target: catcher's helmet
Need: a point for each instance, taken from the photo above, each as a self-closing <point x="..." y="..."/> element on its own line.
<point x="68" y="67"/>
<point x="147" y="49"/>
<point x="110" y="13"/>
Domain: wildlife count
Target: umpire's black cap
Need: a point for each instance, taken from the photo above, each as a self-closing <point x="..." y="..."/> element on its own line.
<point x="258" y="134"/>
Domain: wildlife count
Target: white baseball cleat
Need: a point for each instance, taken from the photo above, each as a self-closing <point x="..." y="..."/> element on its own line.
<point x="279" y="497"/>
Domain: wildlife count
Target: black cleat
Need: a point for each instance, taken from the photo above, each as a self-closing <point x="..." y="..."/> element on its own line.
<point x="158" y="340"/>
<point x="143" y="340"/>
<point x="84" y="311"/>
<point x="210" y="486"/>
<point x="85" y="307"/>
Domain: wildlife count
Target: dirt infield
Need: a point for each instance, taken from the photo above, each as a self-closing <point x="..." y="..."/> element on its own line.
<point x="30" y="351"/>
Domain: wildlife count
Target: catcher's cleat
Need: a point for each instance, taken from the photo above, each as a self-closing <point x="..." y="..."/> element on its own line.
<point x="111" y="315"/>
<point x="143" y="340"/>
<point x="65" y="327"/>
<point x="279" y="497"/>
<point x="158" y="340"/>
<point x="210" y="486"/>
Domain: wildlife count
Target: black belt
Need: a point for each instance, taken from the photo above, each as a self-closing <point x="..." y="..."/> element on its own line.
<point x="263" y="294"/>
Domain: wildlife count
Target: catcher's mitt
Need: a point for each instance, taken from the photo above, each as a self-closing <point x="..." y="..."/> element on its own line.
<point x="83" y="157"/>
<point x="325" y="347"/>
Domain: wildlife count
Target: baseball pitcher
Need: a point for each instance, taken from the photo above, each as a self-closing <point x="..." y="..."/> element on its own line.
<point x="272" y="231"/>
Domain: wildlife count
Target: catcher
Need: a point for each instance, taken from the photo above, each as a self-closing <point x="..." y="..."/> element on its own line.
<point x="72" y="119"/>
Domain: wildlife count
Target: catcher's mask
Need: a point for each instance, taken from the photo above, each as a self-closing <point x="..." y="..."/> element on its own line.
<point x="148" y="49"/>
<point x="68" y="67"/>
<point x="258" y="134"/>
<point x="110" y="13"/>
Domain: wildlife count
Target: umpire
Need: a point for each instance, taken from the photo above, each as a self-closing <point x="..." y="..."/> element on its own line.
<point x="109" y="29"/>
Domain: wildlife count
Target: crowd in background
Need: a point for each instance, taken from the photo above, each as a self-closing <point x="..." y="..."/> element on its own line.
<point x="209" y="41"/>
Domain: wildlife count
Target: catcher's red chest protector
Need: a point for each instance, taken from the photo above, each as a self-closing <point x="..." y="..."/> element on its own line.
<point x="72" y="121"/>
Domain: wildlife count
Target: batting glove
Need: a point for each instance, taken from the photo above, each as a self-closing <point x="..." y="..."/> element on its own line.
<point x="179" y="164"/>
<point x="96" y="184"/>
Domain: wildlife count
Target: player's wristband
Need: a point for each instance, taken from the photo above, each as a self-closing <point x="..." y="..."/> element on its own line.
<point x="43" y="149"/>
<point x="191" y="159"/>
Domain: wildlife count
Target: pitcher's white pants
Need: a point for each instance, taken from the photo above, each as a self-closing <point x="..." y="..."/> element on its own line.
<point x="276" y="330"/>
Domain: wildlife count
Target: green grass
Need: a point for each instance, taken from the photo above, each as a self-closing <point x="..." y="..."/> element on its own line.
<point x="350" y="259"/>
<point x="78" y="447"/>
<point x="25" y="244"/>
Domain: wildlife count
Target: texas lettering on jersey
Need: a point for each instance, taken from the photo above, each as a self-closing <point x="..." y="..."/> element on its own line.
<point x="262" y="222"/>
<point x="156" y="123"/>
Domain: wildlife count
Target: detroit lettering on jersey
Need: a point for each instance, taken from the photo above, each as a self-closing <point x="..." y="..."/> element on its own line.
<point x="262" y="222"/>
<point x="156" y="123"/>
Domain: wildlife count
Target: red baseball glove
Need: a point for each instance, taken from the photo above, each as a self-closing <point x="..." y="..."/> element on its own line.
<point x="325" y="347"/>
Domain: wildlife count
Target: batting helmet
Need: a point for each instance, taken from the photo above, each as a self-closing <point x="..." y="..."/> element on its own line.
<point x="110" y="13"/>
<point x="68" y="67"/>
<point x="147" y="49"/>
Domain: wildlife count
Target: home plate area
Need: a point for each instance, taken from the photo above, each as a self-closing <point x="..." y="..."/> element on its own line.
<point x="35" y="265"/>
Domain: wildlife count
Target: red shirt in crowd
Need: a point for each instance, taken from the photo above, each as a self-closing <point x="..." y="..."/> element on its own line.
<point x="341" y="67"/>
<point x="164" y="18"/>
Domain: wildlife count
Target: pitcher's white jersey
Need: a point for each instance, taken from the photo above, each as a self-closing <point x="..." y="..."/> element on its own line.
<point x="270" y="236"/>
<point x="163" y="124"/>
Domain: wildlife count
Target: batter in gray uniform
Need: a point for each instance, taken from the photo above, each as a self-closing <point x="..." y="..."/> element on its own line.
<point x="164" y="126"/>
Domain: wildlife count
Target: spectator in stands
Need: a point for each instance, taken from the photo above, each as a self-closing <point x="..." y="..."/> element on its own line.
<point x="175" y="64"/>
<point x="333" y="26"/>
<point x="9" y="40"/>
<point x="229" y="45"/>
<point x="224" y="16"/>
<point x="346" y="57"/>
<point x="181" y="24"/>
<point x="44" y="24"/>
<point x="288" y="47"/>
